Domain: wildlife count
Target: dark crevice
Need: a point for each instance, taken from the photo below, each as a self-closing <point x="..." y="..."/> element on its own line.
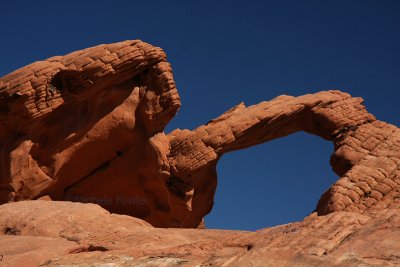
<point x="249" y="246"/>
<point x="344" y="131"/>
<point x="102" y="167"/>
<point x="88" y="248"/>
<point x="138" y="79"/>
<point x="57" y="83"/>
<point x="11" y="231"/>
<point x="96" y="248"/>
<point x="7" y="101"/>
<point x="72" y="81"/>
<point x="177" y="187"/>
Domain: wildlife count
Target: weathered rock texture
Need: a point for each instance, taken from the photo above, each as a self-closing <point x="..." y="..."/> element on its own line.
<point x="88" y="127"/>
<point x="53" y="233"/>
<point x="80" y="127"/>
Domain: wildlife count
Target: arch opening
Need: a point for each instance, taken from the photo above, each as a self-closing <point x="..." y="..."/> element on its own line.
<point x="270" y="184"/>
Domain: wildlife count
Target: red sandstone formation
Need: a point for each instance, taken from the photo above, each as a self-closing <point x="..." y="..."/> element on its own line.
<point x="82" y="127"/>
<point x="88" y="127"/>
<point x="53" y="233"/>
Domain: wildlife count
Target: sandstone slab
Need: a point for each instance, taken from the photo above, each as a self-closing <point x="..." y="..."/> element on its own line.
<point x="56" y="233"/>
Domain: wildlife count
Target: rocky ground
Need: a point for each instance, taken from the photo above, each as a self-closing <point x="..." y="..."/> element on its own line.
<point x="55" y="233"/>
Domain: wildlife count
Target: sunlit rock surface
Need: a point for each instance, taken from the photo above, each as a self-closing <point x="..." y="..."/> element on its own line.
<point x="89" y="127"/>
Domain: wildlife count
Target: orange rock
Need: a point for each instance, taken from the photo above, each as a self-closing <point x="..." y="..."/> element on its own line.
<point x="56" y="233"/>
<point x="88" y="127"/>
<point x="79" y="128"/>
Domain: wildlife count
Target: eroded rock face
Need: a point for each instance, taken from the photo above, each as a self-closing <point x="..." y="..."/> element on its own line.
<point x="88" y="127"/>
<point x="78" y="128"/>
<point x="366" y="151"/>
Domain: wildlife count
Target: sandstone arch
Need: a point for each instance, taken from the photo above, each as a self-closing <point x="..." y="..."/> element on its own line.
<point x="88" y="126"/>
<point x="366" y="150"/>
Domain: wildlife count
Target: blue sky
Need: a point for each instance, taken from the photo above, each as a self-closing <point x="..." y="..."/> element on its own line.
<point x="225" y="52"/>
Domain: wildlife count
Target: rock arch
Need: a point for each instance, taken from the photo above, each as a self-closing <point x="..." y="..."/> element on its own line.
<point x="88" y="126"/>
<point x="366" y="152"/>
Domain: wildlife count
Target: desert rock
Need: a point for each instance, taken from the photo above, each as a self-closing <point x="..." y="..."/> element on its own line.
<point x="88" y="127"/>
<point x="79" y="128"/>
<point x="57" y="233"/>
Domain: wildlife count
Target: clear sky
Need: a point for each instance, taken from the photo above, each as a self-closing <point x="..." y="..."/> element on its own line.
<point x="225" y="52"/>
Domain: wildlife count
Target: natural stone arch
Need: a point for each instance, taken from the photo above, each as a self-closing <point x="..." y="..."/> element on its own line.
<point x="363" y="146"/>
<point x="90" y="125"/>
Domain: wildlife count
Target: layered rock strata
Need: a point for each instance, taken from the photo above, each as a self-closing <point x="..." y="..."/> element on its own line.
<point x="89" y="127"/>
